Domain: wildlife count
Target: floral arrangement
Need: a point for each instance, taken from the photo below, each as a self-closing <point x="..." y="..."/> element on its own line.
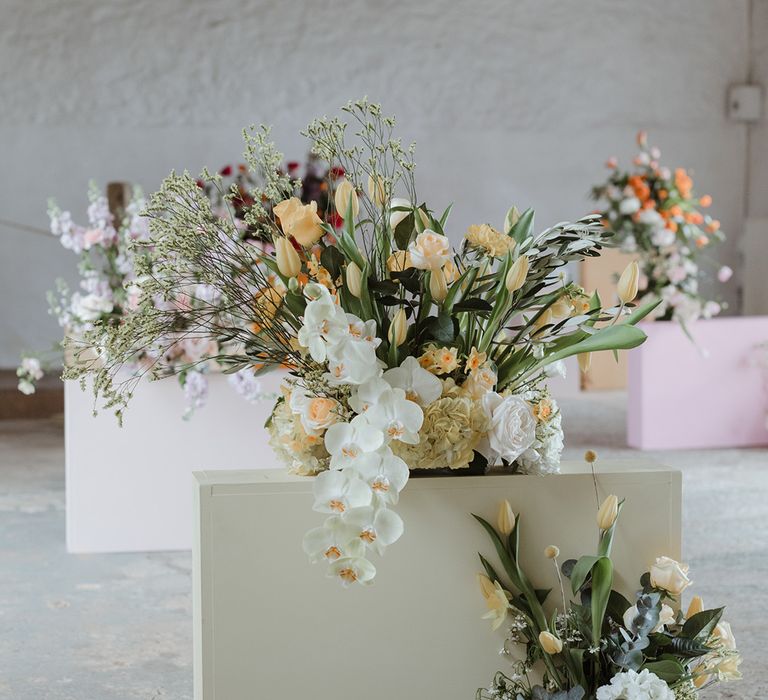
<point x="108" y="248"/>
<point x="595" y="643"/>
<point x="404" y="354"/>
<point x="657" y="216"/>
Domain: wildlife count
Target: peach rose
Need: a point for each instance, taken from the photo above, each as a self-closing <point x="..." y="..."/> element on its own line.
<point x="430" y="250"/>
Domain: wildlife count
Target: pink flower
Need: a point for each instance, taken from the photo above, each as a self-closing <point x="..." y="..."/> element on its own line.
<point x="724" y="273"/>
<point x="612" y="163"/>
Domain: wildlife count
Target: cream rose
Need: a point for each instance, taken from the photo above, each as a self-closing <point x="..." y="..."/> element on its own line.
<point x="316" y="413"/>
<point x="670" y="575"/>
<point x="512" y="426"/>
<point x="430" y="250"/>
<point x="300" y="220"/>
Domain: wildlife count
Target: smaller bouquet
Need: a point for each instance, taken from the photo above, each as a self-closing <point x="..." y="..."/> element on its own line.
<point x="657" y="217"/>
<point x="596" y="643"/>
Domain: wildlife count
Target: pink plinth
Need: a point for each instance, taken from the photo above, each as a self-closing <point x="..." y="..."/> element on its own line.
<point x="711" y="394"/>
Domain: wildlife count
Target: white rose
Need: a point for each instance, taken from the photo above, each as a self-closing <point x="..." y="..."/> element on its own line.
<point x="629" y="205"/>
<point x="670" y="575"/>
<point x="91" y="306"/>
<point x="430" y="250"/>
<point x="513" y="426"/>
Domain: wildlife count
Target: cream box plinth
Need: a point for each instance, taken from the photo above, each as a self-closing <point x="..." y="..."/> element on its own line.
<point x="268" y="624"/>
<point x="127" y="489"/>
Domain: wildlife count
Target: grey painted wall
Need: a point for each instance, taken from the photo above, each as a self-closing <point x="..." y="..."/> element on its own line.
<point x="509" y="102"/>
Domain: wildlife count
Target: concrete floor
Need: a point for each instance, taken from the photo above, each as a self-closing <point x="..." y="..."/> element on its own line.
<point x="118" y="627"/>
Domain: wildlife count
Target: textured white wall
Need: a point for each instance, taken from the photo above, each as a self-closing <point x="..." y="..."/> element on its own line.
<point x="509" y="102"/>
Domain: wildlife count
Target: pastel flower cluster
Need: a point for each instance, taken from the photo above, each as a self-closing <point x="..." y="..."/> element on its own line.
<point x="607" y="648"/>
<point x="658" y="218"/>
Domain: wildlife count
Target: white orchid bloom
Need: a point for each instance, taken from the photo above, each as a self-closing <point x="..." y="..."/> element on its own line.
<point x="367" y="394"/>
<point x="352" y="362"/>
<point x="385" y="473"/>
<point x="363" y="330"/>
<point x="352" y="570"/>
<point x="337" y="492"/>
<point x="347" y="442"/>
<point x="419" y="385"/>
<point x="376" y="527"/>
<point x="324" y="324"/>
<point x="396" y="417"/>
<point x="333" y="540"/>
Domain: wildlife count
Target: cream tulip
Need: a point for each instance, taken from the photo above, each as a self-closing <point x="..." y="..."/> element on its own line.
<point x="398" y="328"/>
<point x="345" y="191"/>
<point x="376" y="190"/>
<point x="437" y="286"/>
<point x="585" y="361"/>
<point x="517" y="274"/>
<point x="288" y="261"/>
<point x="486" y="586"/>
<point x="549" y="643"/>
<point x="354" y="280"/>
<point x="506" y="518"/>
<point x="513" y="216"/>
<point x="628" y="283"/>
<point x="695" y="607"/>
<point x="608" y="512"/>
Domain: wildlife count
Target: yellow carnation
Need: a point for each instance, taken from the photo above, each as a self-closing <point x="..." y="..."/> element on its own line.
<point x="487" y="238"/>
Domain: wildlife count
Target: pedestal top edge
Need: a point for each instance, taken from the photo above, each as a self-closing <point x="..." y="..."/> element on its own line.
<point x="248" y="477"/>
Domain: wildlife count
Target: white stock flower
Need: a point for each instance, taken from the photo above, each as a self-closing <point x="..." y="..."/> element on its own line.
<point x="396" y="417"/>
<point x="670" y="575"/>
<point x="26" y="387"/>
<point x="631" y="685"/>
<point x="352" y="570"/>
<point x="91" y="306"/>
<point x="331" y="541"/>
<point x="385" y="473"/>
<point x="430" y="250"/>
<point x="375" y="527"/>
<point x="338" y="491"/>
<point x="512" y="426"/>
<point x="32" y="367"/>
<point x="419" y="385"/>
<point x="346" y="442"/>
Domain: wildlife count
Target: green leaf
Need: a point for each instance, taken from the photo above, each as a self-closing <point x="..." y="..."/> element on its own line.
<point x="668" y="670"/>
<point x="581" y="571"/>
<point x="640" y="313"/>
<point x="602" y="580"/>
<point x="332" y="260"/>
<point x="524" y="226"/>
<point x="477" y="305"/>
<point x="440" y="328"/>
<point x="404" y="231"/>
<point x="701" y="625"/>
<point x="445" y="215"/>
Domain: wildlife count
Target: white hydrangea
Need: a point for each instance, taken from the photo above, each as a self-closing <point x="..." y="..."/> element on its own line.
<point x="631" y="685"/>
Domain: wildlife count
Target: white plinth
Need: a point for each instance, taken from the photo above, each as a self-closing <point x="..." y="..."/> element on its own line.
<point x="267" y="624"/>
<point x="127" y="489"/>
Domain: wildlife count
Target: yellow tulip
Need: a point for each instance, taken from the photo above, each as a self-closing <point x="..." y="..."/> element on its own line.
<point x="608" y="512"/>
<point x="288" y="261"/>
<point x="354" y="280"/>
<point x="628" y="282"/>
<point x="506" y="518"/>
<point x="299" y="220"/>
<point x="549" y="643"/>
<point x="376" y="190"/>
<point x="398" y="329"/>
<point x="486" y="586"/>
<point x="696" y="606"/>
<point x="399" y="261"/>
<point x="424" y="218"/>
<point x="345" y="191"/>
<point x="517" y="274"/>
<point x="437" y="285"/>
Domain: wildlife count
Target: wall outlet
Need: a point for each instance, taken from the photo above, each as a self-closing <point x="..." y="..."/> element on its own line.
<point x="745" y="103"/>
